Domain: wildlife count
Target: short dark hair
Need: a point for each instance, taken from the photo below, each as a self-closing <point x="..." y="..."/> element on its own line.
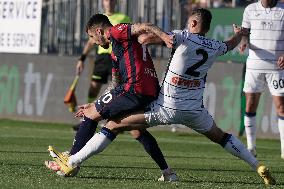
<point x="205" y="17"/>
<point x="98" y="20"/>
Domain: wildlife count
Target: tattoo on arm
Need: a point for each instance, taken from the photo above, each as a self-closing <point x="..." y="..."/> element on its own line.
<point x="142" y="28"/>
<point x="150" y="38"/>
<point x="115" y="81"/>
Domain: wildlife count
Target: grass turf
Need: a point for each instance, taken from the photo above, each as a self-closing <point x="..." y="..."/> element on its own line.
<point x="198" y="162"/>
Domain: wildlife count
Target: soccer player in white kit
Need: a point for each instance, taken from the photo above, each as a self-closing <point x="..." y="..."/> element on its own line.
<point x="265" y="63"/>
<point x="181" y="97"/>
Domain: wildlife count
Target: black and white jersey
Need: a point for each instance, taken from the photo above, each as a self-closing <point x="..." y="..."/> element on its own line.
<point x="184" y="82"/>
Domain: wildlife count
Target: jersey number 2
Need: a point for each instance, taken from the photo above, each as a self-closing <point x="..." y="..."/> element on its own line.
<point x="191" y="70"/>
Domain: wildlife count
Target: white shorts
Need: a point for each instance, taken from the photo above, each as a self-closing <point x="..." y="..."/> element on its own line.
<point x="200" y="121"/>
<point x="255" y="82"/>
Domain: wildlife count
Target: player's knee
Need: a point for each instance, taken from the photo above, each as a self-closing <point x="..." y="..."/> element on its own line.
<point x="135" y="134"/>
<point x="251" y="104"/>
<point x="215" y="134"/>
<point x="110" y="125"/>
<point x="280" y="109"/>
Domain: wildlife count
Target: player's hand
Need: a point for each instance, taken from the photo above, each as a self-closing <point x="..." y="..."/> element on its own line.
<point x="240" y="30"/>
<point x="236" y="29"/>
<point x="80" y="111"/>
<point x="142" y="39"/>
<point x="280" y="62"/>
<point x="242" y="48"/>
<point x="168" y="39"/>
<point x="90" y="112"/>
<point x="79" y="67"/>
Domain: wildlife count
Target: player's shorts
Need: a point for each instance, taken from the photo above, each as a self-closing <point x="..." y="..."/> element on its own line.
<point x="118" y="102"/>
<point x="256" y="81"/>
<point x="200" y="121"/>
<point x="102" y="68"/>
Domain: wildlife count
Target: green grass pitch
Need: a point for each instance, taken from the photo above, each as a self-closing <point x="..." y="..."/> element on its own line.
<point x="198" y="162"/>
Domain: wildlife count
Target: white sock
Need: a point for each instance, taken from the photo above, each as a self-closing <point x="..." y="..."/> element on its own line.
<point x="235" y="147"/>
<point x="94" y="146"/>
<point x="250" y="127"/>
<point x="281" y="131"/>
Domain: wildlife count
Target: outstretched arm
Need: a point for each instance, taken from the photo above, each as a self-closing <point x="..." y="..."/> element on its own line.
<point x="236" y="39"/>
<point x="146" y="39"/>
<point x="148" y="28"/>
<point x="244" y="44"/>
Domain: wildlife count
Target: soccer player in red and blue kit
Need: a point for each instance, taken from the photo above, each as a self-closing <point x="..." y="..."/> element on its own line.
<point x="135" y="85"/>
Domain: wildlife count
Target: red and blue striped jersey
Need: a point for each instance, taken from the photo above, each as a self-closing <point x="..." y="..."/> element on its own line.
<point x="133" y="62"/>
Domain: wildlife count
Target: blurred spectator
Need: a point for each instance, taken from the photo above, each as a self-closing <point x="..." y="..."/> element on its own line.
<point x="244" y="3"/>
<point x="227" y="3"/>
<point x="199" y="4"/>
<point x="217" y="3"/>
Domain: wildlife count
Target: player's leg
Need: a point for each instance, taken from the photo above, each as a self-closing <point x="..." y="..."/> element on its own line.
<point x="252" y="101"/>
<point x="86" y="131"/>
<point x="253" y="86"/>
<point x="88" y="126"/>
<point x="235" y="147"/>
<point x="203" y="123"/>
<point x="104" y="138"/>
<point x="112" y="104"/>
<point x="275" y="82"/>
<point x="231" y="144"/>
<point x="101" y="72"/>
<point x="279" y="104"/>
<point x="152" y="148"/>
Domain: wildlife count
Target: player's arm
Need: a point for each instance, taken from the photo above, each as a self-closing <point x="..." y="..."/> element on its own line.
<point x="244" y="44"/>
<point x="237" y="37"/>
<point x="280" y="61"/>
<point x="80" y="64"/>
<point x="115" y="75"/>
<point x="144" y="28"/>
<point x="246" y="24"/>
<point x="146" y="39"/>
<point x="115" y="80"/>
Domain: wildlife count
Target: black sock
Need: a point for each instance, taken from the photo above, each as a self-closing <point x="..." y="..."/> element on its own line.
<point x="151" y="146"/>
<point x="85" y="132"/>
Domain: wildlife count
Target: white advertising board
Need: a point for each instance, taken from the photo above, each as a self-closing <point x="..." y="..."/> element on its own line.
<point x="20" y="22"/>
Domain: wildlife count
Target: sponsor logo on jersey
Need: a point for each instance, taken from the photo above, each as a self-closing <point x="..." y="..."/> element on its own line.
<point x="185" y="82"/>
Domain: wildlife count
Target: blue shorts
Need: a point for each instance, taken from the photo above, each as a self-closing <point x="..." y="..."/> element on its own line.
<point x="118" y="102"/>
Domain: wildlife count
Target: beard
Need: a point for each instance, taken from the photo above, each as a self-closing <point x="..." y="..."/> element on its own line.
<point x="105" y="46"/>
